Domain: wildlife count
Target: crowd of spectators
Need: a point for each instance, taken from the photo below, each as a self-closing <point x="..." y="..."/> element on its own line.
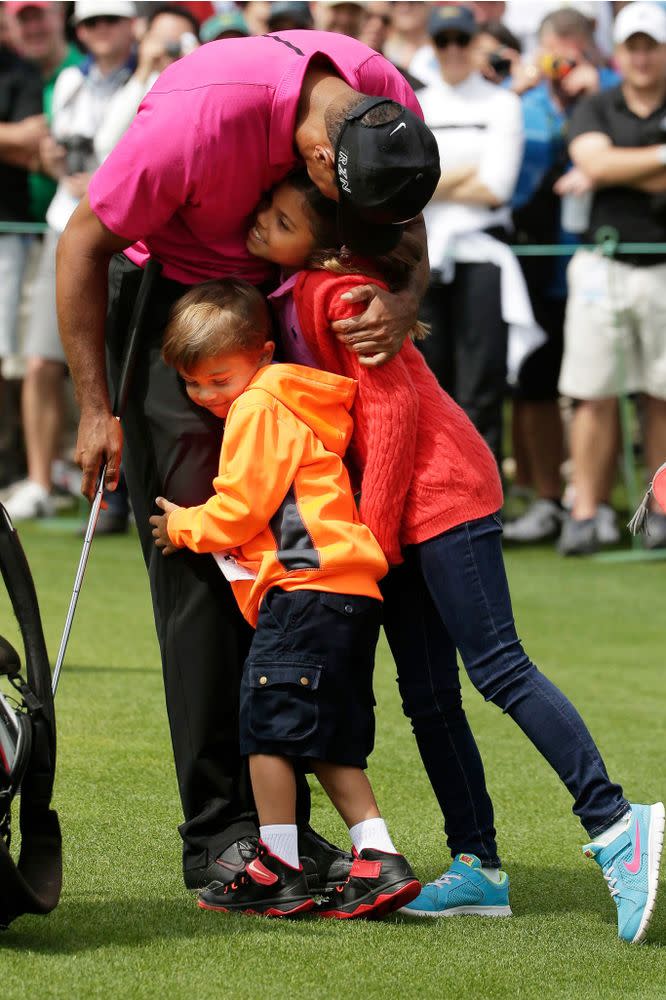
<point x="551" y="123"/>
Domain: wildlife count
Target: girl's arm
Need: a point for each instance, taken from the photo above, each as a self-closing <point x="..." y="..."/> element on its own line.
<point x="385" y="411"/>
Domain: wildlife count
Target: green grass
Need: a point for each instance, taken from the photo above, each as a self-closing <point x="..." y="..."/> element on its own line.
<point x="126" y="928"/>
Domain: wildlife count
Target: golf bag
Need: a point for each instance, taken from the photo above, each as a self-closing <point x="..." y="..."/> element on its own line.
<point x="27" y="750"/>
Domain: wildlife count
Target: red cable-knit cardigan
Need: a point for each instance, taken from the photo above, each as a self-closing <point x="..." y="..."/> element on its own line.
<point x="424" y="467"/>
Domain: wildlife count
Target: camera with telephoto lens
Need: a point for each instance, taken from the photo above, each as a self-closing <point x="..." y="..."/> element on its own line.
<point x="79" y="150"/>
<point x="186" y="43"/>
<point x="500" y="64"/>
<point x="555" y="68"/>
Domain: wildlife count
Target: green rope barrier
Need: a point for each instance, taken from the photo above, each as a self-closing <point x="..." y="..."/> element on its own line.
<point x="520" y="250"/>
<point x="568" y="249"/>
<point x="22" y="228"/>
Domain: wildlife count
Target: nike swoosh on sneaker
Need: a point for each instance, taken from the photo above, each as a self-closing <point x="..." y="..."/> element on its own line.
<point x="635" y="863"/>
<point x="229" y="866"/>
<point x="259" y="873"/>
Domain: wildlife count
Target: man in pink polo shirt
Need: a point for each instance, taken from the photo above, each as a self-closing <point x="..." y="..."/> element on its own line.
<point x="218" y="129"/>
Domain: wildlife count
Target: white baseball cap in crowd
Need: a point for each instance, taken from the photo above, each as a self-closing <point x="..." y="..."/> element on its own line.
<point x="85" y="9"/>
<point x="640" y="18"/>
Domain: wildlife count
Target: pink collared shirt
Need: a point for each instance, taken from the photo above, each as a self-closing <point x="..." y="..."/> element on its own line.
<point x="215" y="132"/>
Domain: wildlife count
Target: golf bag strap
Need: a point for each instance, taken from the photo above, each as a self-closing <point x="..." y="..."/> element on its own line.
<point x="33" y="885"/>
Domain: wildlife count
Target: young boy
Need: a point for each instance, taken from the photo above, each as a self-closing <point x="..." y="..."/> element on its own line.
<point x="285" y="529"/>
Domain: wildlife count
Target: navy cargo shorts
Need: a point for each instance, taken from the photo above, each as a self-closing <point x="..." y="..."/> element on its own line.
<point x="306" y="690"/>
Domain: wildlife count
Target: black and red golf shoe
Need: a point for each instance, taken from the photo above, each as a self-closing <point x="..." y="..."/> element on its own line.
<point x="378" y="883"/>
<point x="267" y="886"/>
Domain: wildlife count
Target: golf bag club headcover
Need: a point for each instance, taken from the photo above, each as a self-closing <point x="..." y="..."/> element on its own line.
<point x="33" y="884"/>
<point x="656" y="489"/>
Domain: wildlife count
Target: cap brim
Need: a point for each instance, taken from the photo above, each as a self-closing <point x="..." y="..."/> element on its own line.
<point x="371" y="239"/>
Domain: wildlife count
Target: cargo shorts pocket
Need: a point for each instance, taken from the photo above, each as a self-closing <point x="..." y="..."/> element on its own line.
<point x="281" y="699"/>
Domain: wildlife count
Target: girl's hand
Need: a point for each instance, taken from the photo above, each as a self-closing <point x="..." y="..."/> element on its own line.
<point x="160" y="522"/>
<point x="378" y="333"/>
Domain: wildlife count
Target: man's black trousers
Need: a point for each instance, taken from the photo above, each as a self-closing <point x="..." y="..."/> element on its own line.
<point x="467" y="345"/>
<point x="172" y="449"/>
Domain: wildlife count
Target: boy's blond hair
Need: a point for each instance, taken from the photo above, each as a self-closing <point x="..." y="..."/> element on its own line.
<point x="216" y="317"/>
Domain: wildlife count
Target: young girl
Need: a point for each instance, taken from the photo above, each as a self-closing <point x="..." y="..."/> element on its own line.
<point x="431" y="493"/>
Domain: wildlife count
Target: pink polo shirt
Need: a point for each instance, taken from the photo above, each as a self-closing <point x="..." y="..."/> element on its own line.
<point x="215" y="132"/>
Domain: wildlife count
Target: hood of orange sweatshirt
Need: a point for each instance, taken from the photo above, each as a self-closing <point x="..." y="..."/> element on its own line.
<point x="320" y="399"/>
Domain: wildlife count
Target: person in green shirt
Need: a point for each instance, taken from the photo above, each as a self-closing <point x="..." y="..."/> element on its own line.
<point x="37" y="32"/>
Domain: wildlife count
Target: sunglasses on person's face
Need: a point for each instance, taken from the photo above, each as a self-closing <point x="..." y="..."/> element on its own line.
<point x="443" y="41"/>
<point x="106" y="19"/>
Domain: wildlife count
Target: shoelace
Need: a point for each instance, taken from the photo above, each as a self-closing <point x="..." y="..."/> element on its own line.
<point x="447" y="877"/>
<point x="611" y="879"/>
<point x="236" y="884"/>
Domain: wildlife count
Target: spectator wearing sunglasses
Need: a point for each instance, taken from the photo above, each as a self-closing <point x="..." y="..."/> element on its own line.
<point x="479" y="130"/>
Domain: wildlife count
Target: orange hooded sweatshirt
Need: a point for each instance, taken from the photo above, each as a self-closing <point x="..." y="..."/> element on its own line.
<point x="283" y="504"/>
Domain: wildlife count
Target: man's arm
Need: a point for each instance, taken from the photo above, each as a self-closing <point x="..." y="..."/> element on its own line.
<point x="463" y="185"/>
<point x="607" y="165"/>
<point x="20" y="141"/>
<point x="84" y="252"/>
<point x="378" y="333"/>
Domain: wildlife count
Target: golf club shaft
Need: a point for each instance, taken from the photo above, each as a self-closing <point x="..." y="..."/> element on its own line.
<point x="150" y="273"/>
<point x="78" y="580"/>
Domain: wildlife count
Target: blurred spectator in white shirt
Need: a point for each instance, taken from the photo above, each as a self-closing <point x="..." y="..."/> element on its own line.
<point x="477" y="287"/>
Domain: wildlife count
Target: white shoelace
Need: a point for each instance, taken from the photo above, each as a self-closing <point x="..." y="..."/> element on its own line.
<point x="611" y="879"/>
<point x="447" y="877"/>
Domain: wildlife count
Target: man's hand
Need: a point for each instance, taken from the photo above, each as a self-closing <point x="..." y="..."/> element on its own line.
<point x="524" y="76"/>
<point x="20" y="141"/>
<point x="160" y="523"/>
<point x="573" y="182"/>
<point x="52" y="157"/>
<point x="582" y="79"/>
<point x="77" y="184"/>
<point x="100" y="440"/>
<point x="378" y="333"/>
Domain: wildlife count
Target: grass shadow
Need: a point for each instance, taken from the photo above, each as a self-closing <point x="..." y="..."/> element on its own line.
<point x="84" y="924"/>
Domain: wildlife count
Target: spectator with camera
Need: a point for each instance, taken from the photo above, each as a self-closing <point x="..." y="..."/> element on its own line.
<point x="80" y="100"/>
<point x="569" y="69"/>
<point x="171" y="32"/>
<point x="614" y="337"/>
<point x="497" y="51"/>
<point x="37" y="33"/>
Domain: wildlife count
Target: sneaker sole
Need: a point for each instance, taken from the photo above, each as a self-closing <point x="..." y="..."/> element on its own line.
<point x="381" y="906"/>
<point x="461" y="911"/>
<point x="656" y="843"/>
<point x="269" y="911"/>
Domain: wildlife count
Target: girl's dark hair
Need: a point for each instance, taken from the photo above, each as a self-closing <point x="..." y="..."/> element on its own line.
<point x="393" y="268"/>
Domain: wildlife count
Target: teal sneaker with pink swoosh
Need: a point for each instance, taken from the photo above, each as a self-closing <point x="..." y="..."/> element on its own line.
<point x="630" y="865"/>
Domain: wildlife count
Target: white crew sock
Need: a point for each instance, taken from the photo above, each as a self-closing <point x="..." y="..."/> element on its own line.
<point x="613" y="831"/>
<point x="371" y="833"/>
<point x="492" y="874"/>
<point x="282" y="839"/>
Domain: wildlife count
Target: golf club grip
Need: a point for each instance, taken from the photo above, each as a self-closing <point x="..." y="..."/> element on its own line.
<point x="150" y="272"/>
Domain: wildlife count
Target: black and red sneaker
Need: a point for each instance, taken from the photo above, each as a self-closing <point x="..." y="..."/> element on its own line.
<point x="267" y="886"/>
<point x="378" y="883"/>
